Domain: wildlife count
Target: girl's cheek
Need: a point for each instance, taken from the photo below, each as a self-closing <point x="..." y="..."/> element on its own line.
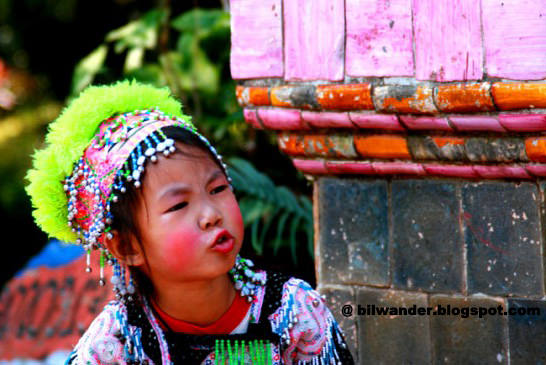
<point x="180" y="248"/>
<point x="234" y="211"/>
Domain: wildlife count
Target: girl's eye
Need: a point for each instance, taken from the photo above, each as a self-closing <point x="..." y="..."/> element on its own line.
<point x="177" y="206"/>
<point x="220" y="188"/>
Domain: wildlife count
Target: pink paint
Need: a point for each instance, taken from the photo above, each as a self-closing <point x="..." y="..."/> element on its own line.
<point x="476" y="123"/>
<point x="420" y="123"/>
<point x="288" y="119"/>
<point x="252" y="118"/>
<point x="327" y="119"/>
<point x="256" y="39"/>
<point x="515" y="39"/>
<point x="448" y="43"/>
<point x="340" y="167"/>
<point x="388" y="168"/>
<point x="495" y="172"/>
<point x="376" y="121"/>
<point x="450" y="170"/>
<point x="537" y="170"/>
<point x="310" y="166"/>
<point x="314" y="39"/>
<point x="379" y="38"/>
<point x="523" y="122"/>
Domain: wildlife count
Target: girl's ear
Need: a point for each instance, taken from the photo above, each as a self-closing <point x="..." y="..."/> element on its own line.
<point x="129" y="253"/>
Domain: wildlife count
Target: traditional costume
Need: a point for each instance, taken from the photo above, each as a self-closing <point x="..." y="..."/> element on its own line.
<point x="102" y="142"/>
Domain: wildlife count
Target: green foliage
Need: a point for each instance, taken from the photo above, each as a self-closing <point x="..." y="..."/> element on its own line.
<point x="262" y="203"/>
<point x="20" y="133"/>
<point x="138" y="34"/>
<point x="87" y="68"/>
<point x="188" y="53"/>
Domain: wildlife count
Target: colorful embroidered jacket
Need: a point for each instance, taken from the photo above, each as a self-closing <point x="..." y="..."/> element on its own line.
<point x="288" y="323"/>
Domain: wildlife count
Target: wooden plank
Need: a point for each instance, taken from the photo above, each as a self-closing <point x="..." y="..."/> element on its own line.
<point x="448" y="43"/>
<point x="256" y="39"/>
<point x="379" y="38"/>
<point x="314" y="39"/>
<point x="515" y="38"/>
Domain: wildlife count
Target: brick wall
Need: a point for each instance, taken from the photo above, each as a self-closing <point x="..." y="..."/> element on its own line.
<point x="422" y="124"/>
<point x="401" y="242"/>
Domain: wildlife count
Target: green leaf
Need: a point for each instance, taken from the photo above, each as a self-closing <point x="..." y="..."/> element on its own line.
<point x="133" y="59"/>
<point x="201" y="21"/>
<point x="186" y="42"/>
<point x="87" y="68"/>
<point x="149" y="73"/>
<point x="280" y="229"/>
<point x="293" y="242"/>
<point x="256" y="244"/>
<point x="287" y="199"/>
<point x="140" y="33"/>
<point x="263" y="184"/>
<point x="268" y="219"/>
<point x="251" y="209"/>
<point x="195" y="70"/>
<point x="238" y="180"/>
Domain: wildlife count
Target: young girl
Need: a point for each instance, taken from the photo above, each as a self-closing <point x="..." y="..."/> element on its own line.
<point x="126" y="174"/>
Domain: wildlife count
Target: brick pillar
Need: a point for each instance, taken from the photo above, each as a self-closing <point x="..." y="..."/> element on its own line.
<point x="422" y="124"/>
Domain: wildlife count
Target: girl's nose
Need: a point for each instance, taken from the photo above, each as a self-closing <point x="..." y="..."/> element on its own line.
<point x="210" y="217"/>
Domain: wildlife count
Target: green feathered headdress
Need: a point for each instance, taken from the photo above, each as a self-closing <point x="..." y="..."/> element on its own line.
<point x="71" y="133"/>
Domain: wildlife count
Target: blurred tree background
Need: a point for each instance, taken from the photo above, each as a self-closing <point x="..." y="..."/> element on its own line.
<point x="51" y="49"/>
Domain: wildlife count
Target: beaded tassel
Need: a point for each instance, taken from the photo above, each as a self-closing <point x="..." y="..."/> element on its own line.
<point x="123" y="284"/>
<point x="101" y="263"/>
<point x="246" y="280"/>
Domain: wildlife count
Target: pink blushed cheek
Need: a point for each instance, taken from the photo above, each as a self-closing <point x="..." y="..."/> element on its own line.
<point x="180" y="249"/>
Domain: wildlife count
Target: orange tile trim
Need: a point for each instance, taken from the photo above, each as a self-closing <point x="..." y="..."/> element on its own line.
<point x="390" y="146"/>
<point x="345" y="96"/>
<point x="536" y="148"/>
<point x="511" y="96"/>
<point x="419" y="98"/>
<point x="464" y="98"/>
<point x="382" y="146"/>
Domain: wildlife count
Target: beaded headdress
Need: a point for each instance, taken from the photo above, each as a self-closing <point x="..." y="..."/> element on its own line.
<point x="99" y="144"/>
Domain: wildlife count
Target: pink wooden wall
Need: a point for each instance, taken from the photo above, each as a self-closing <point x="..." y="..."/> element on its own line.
<point x="447" y="40"/>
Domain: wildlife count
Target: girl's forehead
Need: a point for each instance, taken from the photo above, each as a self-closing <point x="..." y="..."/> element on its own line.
<point x="189" y="165"/>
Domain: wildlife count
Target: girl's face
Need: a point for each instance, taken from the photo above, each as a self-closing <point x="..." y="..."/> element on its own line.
<point x="186" y="202"/>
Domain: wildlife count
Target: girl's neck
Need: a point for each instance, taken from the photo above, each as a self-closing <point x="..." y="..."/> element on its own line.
<point x="200" y="303"/>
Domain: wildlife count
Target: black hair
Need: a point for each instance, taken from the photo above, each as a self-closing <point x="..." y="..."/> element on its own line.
<point x="125" y="208"/>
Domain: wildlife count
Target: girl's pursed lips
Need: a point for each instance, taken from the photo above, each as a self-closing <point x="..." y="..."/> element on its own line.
<point x="223" y="235"/>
